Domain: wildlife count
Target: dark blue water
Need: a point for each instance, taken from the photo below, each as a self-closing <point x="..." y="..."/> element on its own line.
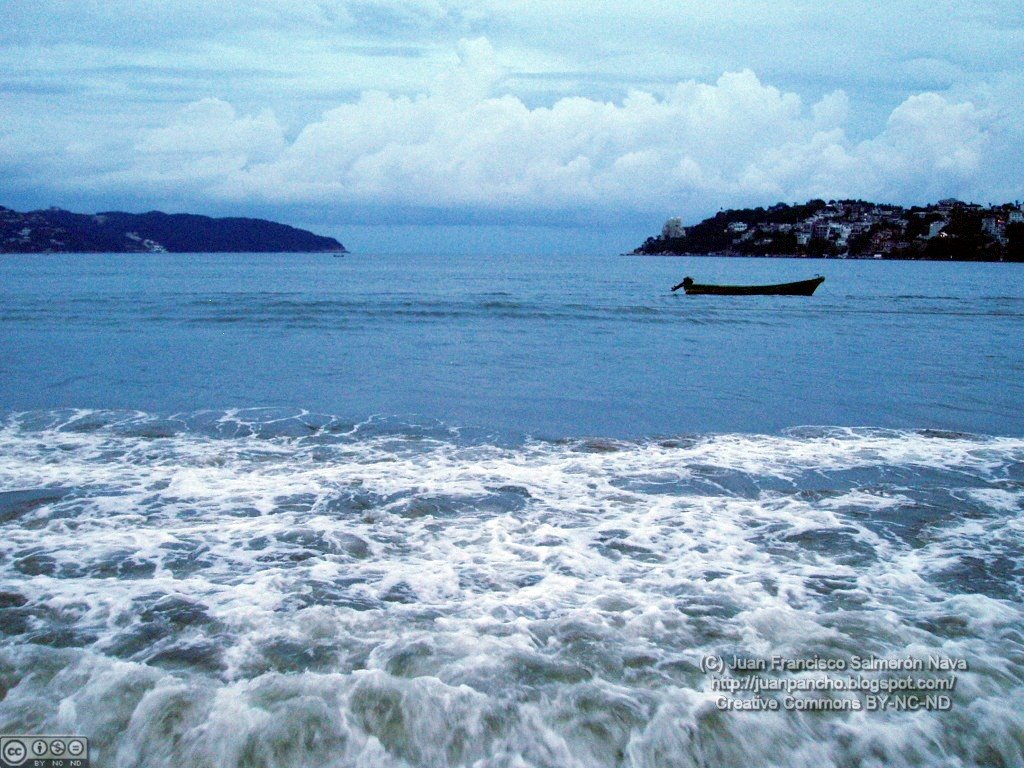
<point x="281" y="511"/>
<point x="552" y="346"/>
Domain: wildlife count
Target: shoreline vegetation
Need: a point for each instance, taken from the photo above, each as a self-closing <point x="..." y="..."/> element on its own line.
<point x="949" y="230"/>
<point x="55" y="230"/>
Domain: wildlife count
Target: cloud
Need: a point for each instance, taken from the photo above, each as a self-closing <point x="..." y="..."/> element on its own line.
<point x="207" y="143"/>
<point x="930" y="148"/>
<point x="212" y="127"/>
<point x="168" y="24"/>
<point x="465" y="144"/>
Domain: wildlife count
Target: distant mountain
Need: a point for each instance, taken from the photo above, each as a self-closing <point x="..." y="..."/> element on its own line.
<point x="852" y="229"/>
<point x="59" y="231"/>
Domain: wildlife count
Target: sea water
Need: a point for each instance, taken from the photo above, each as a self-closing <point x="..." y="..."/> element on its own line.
<point x="468" y="511"/>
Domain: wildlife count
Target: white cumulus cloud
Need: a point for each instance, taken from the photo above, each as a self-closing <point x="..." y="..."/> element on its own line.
<point x="464" y="143"/>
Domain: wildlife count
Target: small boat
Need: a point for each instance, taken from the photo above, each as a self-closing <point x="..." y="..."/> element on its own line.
<point x="799" y="288"/>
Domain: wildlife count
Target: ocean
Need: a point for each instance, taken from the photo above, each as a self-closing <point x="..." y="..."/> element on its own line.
<point x="299" y="510"/>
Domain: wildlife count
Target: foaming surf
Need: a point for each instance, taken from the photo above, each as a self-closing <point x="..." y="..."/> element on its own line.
<point x="283" y="588"/>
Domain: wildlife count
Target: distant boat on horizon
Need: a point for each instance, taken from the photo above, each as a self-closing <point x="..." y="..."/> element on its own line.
<point x="798" y="288"/>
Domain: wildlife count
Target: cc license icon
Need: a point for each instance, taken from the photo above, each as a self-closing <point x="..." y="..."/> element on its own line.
<point x="14" y="751"/>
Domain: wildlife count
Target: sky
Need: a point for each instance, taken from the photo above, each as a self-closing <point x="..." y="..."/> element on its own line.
<point x="540" y="126"/>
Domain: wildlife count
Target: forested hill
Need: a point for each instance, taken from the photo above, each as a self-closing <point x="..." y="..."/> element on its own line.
<point x="947" y="230"/>
<point x="58" y="231"/>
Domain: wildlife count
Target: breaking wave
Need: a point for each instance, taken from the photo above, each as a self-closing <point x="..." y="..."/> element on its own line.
<point x="283" y="588"/>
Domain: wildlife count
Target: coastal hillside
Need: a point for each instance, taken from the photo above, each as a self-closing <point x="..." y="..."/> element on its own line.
<point x="948" y="230"/>
<point x="58" y="231"/>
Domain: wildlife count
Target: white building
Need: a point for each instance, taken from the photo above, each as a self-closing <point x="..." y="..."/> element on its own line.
<point x="994" y="227"/>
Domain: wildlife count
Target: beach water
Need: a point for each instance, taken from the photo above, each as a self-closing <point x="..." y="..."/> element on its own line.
<point x="469" y="511"/>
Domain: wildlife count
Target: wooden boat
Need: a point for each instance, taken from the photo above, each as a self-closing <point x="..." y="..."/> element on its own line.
<point x="799" y="288"/>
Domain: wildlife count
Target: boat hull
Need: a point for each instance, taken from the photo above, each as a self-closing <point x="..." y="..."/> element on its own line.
<point x="799" y="288"/>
